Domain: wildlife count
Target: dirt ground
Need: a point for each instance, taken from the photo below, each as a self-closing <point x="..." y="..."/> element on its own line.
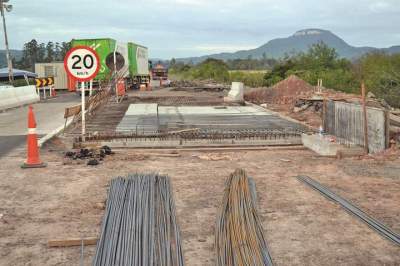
<point x="301" y="226"/>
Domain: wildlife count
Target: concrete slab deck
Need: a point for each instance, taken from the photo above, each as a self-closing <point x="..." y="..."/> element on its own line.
<point x="145" y="118"/>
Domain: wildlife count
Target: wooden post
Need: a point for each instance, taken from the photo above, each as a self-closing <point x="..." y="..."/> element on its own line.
<point x="324" y="115"/>
<point x="364" y="106"/>
<point x="387" y="129"/>
<point x="65" y="125"/>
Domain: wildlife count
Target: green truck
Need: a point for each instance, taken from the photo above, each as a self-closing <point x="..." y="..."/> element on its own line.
<point x="129" y="60"/>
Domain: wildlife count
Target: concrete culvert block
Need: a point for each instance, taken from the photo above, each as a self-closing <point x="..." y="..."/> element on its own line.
<point x="324" y="147"/>
<point x="320" y="145"/>
<point x="236" y="93"/>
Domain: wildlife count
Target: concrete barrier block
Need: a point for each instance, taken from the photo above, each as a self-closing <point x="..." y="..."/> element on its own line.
<point x="8" y="99"/>
<point x="27" y="94"/>
<point x="11" y="97"/>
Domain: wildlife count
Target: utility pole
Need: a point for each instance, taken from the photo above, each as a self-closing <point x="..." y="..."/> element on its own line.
<point x="9" y="62"/>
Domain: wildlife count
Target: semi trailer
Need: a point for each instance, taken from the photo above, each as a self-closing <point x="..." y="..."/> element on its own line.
<point x="128" y="61"/>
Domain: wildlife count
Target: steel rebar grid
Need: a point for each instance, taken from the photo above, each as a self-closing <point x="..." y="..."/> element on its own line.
<point x="239" y="238"/>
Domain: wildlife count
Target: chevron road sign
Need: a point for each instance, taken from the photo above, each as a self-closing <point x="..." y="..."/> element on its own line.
<point x="43" y="82"/>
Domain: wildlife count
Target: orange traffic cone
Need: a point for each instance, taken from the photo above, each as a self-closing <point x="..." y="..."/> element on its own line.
<point x="53" y="92"/>
<point x="33" y="160"/>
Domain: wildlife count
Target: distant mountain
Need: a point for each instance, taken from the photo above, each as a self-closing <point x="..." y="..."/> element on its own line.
<point x="16" y="54"/>
<point x="298" y="42"/>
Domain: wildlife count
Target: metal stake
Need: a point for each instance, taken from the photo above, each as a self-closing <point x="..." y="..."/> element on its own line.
<point x="83" y="111"/>
<point x="82" y="245"/>
<point x="91" y="88"/>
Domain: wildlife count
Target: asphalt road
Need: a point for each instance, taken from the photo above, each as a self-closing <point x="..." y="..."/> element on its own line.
<point x="8" y="143"/>
<point x="49" y="115"/>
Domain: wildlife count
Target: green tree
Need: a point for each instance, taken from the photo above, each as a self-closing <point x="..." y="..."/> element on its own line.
<point x="65" y="46"/>
<point x="319" y="62"/>
<point x="50" y="54"/>
<point x="319" y="56"/>
<point x="211" y="69"/>
<point x="381" y="73"/>
<point x="57" y="52"/>
<point x="33" y="52"/>
<point x="279" y="72"/>
<point x="30" y="55"/>
<point x="41" y="53"/>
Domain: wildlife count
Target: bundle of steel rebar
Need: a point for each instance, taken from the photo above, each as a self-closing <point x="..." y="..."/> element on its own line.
<point x="139" y="225"/>
<point x="239" y="238"/>
<point x="353" y="209"/>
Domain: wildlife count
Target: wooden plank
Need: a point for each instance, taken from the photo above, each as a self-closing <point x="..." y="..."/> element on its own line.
<point x="350" y="152"/>
<point x="394" y="120"/>
<point x="72" y="111"/>
<point x="160" y="154"/>
<point x="72" y="242"/>
<point x="394" y="129"/>
<point x="311" y="99"/>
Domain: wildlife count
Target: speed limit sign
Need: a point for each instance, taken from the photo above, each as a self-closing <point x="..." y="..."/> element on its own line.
<point x="82" y="63"/>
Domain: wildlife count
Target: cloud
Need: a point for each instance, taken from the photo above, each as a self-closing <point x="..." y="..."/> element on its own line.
<point x="217" y="48"/>
<point x="176" y="28"/>
<point x="190" y="2"/>
<point x="379" y="6"/>
<point x="384" y="6"/>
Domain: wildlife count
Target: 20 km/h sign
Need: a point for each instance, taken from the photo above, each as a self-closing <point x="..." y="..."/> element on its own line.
<point x="82" y="63"/>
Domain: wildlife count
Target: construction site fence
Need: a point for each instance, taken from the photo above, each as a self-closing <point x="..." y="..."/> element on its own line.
<point x="345" y="121"/>
<point x="91" y="104"/>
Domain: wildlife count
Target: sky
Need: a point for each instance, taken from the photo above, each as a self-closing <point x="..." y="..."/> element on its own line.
<point x="185" y="28"/>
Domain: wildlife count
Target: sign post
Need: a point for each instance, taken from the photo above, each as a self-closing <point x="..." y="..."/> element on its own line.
<point x="83" y="110"/>
<point x="91" y="87"/>
<point x="82" y="64"/>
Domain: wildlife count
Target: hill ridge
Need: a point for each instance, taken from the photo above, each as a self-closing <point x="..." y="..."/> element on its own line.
<point x="300" y="41"/>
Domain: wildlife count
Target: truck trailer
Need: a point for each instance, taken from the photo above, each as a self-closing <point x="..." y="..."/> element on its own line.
<point x="159" y="72"/>
<point x="123" y="60"/>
